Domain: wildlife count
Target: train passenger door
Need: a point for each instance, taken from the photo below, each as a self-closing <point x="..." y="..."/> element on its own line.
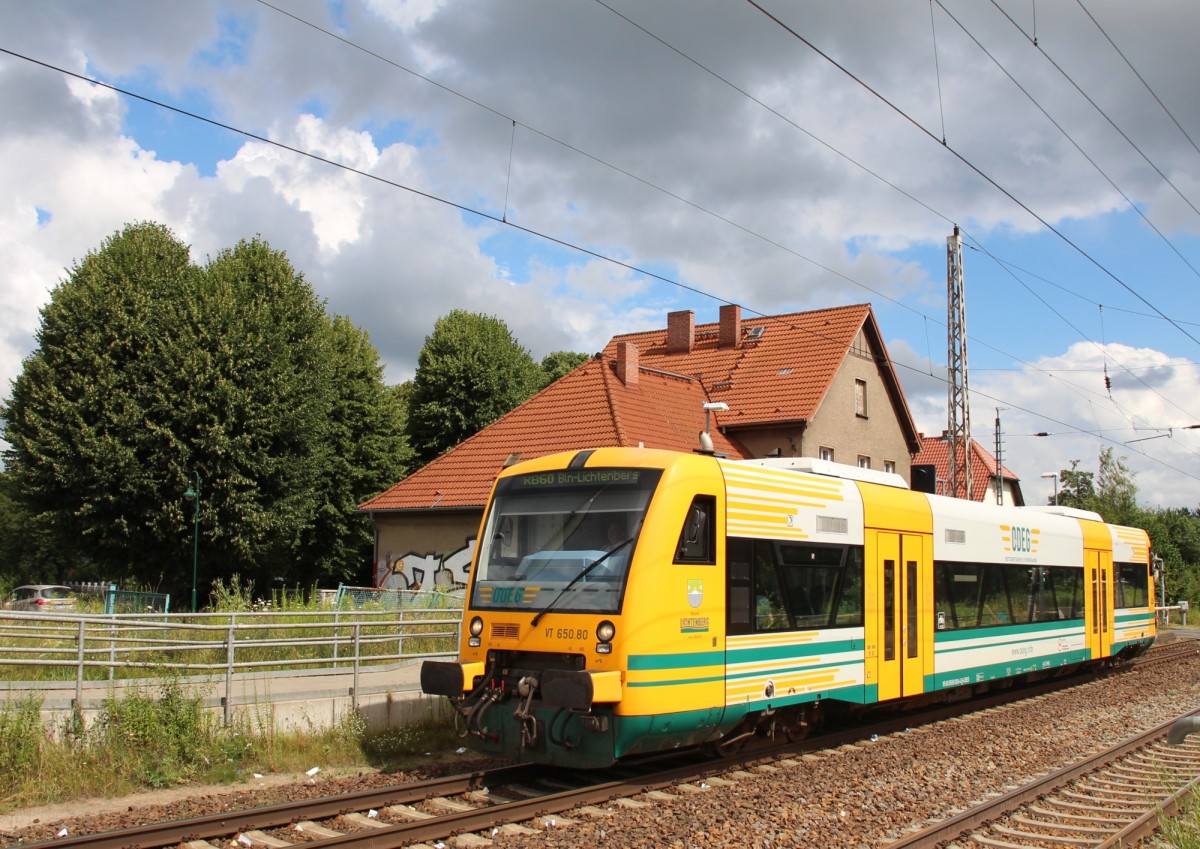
<point x="1099" y="616"/>
<point x="902" y="632"/>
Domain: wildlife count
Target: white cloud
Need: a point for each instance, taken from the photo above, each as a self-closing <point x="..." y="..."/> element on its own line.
<point x="1140" y="419"/>
<point x="635" y="148"/>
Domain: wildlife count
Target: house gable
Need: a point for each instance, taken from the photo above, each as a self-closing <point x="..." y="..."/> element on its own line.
<point x="935" y="451"/>
<point x="781" y="370"/>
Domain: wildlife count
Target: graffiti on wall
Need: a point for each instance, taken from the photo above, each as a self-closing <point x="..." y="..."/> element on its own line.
<point x="425" y="571"/>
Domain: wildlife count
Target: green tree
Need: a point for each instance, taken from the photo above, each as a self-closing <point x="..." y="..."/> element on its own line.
<point x="1112" y="492"/>
<point x="150" y="369"/>
<point x="470" y="372"/>
<point x="1075" y="488"/>
<point x="364" y="452"/>
<point x="27" y="554"/>
<point x="559" y="363"/>
<point x="1116" y="491"/>
<point x="1175" y="537"/>
<point x="88" y="453"/>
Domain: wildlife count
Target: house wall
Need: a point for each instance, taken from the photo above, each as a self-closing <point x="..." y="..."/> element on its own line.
<point x="1008" y="491"/>
<point x="424" y="549"/>
<point x="836" y="425"/>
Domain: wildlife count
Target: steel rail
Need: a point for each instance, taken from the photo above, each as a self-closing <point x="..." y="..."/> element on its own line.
<point x="970" y="820"/>
<point x="633" y="779"/>
<point x="228" y="823"/>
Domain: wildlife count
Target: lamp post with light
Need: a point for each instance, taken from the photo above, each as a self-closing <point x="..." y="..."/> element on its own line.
<point x="1055" y="476"/>
<point x="193" y="491"/>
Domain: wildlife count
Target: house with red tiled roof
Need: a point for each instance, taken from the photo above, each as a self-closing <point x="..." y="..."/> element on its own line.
<point x="935" y="456"/>
<point x="812" y="384"/>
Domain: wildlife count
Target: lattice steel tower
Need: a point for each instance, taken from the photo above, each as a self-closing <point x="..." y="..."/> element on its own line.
<point x="958" y="431"/>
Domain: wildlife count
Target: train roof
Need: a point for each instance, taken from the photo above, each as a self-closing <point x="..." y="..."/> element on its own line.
<point x="1059" y="510"/>
<point x="814" y="466"/>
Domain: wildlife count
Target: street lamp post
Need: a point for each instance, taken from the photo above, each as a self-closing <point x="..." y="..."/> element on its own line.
<point x="1055" y="476"/>
<point x="193" y="491"/>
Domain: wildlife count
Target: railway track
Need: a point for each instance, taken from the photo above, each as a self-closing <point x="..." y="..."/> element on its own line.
<point x="1113" y="799"/>
<point x="471" y="807"/>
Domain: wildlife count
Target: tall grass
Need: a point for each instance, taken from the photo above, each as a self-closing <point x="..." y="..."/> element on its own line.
<point x="157" y="737"/>
<point x="158" y="734"/>
<point x="1183" y="831"/>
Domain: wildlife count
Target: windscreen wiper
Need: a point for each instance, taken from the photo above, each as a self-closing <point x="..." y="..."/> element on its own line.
<point x="583" y="572"/>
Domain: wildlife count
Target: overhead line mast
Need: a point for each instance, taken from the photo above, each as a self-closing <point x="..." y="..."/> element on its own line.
<point x="958" y="430"/>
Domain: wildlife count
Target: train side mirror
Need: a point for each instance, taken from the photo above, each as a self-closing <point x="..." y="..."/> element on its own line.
<point x="1182" y="728"/>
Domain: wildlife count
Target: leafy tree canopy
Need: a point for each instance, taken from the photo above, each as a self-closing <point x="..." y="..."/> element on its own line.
<point x="150" y="369"/>
<point x="1112" y="492"/>
<point x="470" y="372"/>
<point x="559" y="363"/>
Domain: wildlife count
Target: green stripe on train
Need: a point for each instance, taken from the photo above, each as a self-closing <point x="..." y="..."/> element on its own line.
<point x="649" y="662"/>
<point x="992" y="631"/>
<point x="995" y="671"/>
<point x="676" y="661"/>
<point x="780" y="652"/>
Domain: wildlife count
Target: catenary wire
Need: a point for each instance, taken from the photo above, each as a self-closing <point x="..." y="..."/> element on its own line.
<point x="1135" y="207"/>
<point x="973" y="167"/>
<point x="520" y="228"/>
<point x="742" y="92"/>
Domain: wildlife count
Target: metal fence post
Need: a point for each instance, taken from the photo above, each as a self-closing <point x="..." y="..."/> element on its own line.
<point x="79" y="669"/>
<point x="357" y="656"/>
<point x="336" y="614"/>
<point x="112" y="649"/>
<point x="229" y="649"/>
<point x="400" y="628"/>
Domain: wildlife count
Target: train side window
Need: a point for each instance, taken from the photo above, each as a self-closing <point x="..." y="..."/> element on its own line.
<point x="944" y="597"/>
<point x="972" y="595"/>
<point x="849" y="602"/>
<point x="738" y="552"/>
<point x="770" y="612"/>
<point x="697" y="539"/>
<point x="992" y="600"/>
<point x="822" y="584"/>
<point x="889" y="609"/>
<point x="911" y="599"/>
<point x="1133" y="584"/>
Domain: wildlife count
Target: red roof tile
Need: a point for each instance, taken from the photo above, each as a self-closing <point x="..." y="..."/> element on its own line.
<point x="935" y="451"/>
<point x="782" y="367"/>
<point x="588" y="408"/>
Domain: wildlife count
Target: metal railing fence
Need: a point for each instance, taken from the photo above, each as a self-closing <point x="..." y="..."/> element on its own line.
<point x="107" y="647"/>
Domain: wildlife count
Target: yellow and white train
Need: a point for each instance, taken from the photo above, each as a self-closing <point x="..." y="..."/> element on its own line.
<point x="629" y="601"/>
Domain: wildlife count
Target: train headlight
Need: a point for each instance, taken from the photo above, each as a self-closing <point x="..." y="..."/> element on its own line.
<point x="475" y="629"/>
<point x="605" y="632"/>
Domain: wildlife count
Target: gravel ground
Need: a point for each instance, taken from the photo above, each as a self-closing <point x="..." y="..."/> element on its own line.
<point x="858" y="796"/>
<point x="854" y="796"/>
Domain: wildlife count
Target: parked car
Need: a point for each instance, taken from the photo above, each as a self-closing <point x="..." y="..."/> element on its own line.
<point x="47" y="598"/>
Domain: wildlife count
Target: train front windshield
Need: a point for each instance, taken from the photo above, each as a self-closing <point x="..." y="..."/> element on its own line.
<point x="562" y="539"/>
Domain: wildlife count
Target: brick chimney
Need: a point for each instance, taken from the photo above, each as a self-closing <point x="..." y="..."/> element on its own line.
<point x="731" y="326"/>
<point x="681" y="332"/>
<point x="627" y="363"/>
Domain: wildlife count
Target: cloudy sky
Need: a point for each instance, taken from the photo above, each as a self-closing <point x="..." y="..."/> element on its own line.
<point x="579" y="168"/>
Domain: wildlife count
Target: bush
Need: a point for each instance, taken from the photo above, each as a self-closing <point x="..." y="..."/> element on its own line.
<point x="21" y="741"/>
<point x="158" y="742"/>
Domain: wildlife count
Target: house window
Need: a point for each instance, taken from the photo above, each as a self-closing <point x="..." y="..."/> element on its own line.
<point x="889" y="466"/>
<point x="864" y="462"/>
<point x="825" y="453"/>
<point x="860" y="398"/>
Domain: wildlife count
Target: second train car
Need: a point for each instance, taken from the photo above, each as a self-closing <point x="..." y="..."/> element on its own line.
<point x="627" y="601"/>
